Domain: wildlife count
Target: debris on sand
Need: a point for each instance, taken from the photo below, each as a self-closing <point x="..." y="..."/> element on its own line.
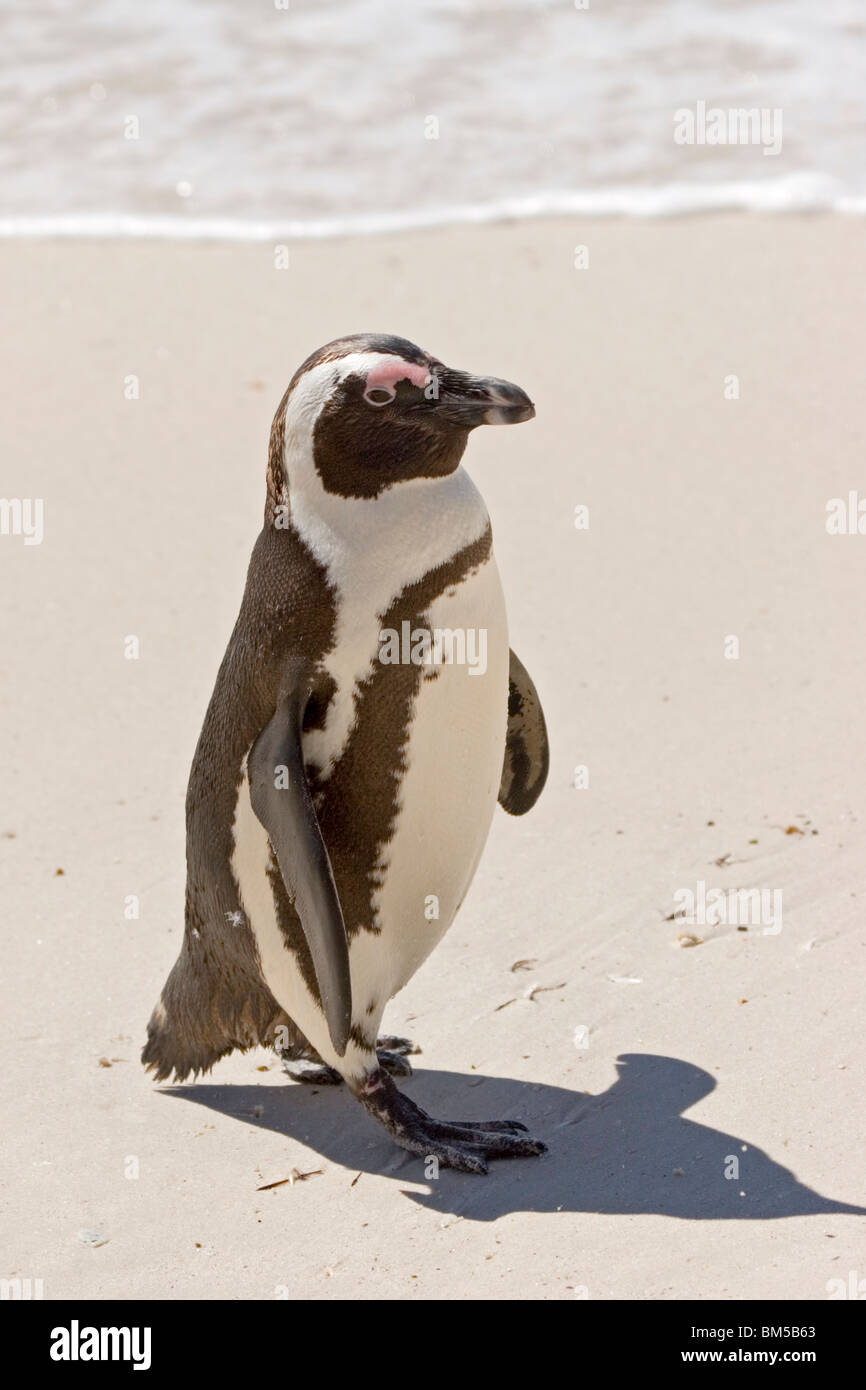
<point x="293" y="1177"/>
<point x="531" y="992"/>
<point x="92" y="1238"/>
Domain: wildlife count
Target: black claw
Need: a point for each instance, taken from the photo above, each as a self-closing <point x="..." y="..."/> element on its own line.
<point x="499" y="1126"/>
<point x="490" y="1142"/>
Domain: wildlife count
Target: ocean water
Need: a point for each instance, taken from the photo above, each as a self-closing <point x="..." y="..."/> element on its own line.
<point x="256" y="118"/>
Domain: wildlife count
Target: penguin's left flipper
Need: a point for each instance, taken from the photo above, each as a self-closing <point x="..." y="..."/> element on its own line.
<point x="527" y="753"/>
<point x="281" y="800"/>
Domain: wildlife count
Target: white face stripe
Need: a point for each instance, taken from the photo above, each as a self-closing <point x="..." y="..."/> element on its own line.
<point x="316" y="387"/>
<point x="307" y="496"/>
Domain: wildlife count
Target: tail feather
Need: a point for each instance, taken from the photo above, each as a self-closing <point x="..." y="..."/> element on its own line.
<point x="200" y="1019"/>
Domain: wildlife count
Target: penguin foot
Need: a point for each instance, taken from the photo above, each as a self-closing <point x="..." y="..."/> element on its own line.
<point x="311" y="1073"/>
<point x="392" y="1054"/>
<point x="465" y="1145"/>
<point x="393" y="1062"/>
<point x="388" y="1043"/>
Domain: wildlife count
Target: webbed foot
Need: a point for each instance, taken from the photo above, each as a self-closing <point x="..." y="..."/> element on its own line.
<point x="464" y="1144"/>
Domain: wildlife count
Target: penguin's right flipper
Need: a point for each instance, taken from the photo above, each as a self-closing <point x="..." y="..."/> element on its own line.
<point x="281" y="800"/>
<point x="527" y="753"/>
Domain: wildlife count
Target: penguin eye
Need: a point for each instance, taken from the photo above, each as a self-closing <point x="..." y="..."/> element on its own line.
<point x="379" y="395"/>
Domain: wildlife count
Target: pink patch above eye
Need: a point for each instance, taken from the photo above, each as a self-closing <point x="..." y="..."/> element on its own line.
<point x="394" y="369"/>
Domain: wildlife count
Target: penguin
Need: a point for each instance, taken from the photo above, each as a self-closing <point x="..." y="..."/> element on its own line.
<point x="367" y="716"/>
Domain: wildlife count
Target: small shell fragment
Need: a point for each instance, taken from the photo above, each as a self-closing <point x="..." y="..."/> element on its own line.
<point x="92" y="1238"/>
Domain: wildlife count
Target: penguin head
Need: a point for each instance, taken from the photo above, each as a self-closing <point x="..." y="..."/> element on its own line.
<point x="368" y="412"/>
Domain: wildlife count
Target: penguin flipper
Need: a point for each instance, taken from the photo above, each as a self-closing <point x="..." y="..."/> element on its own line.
<point x="281" y="800"/>
<point x="527" y="753"/>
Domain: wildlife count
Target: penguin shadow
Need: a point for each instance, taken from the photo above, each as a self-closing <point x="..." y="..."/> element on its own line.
<point x="627" y="1151"/>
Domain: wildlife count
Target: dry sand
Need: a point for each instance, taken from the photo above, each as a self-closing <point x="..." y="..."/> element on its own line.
<point x="707" y="520"/>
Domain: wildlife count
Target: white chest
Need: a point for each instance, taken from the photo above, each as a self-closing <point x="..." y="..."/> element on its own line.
<point x="448" y="791"/>
<point x="372" y="551"/>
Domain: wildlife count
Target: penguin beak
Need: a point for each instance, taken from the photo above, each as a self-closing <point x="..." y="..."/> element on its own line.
<point x="467" y="400"/>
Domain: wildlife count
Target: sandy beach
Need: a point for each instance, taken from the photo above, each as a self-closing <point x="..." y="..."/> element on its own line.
<point x="698" y="386"/>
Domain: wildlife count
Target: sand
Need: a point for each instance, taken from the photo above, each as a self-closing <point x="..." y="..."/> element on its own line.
<point x="703" y="1104"/>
